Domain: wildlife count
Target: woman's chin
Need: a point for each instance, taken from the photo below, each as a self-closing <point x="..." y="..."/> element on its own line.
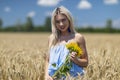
<point x="63" y="30"/>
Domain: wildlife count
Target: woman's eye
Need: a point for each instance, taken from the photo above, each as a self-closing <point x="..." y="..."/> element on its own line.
<point x="63" y="20"/>
<point x="57" y="21"/>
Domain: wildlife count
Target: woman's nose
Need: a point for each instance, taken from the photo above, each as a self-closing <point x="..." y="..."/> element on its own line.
<point x="61" y="23"/>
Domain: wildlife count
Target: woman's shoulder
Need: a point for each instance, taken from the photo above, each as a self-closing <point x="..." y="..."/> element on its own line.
<point x="78" y="35"/>
<point x="79" y="38"/>
<point x="50" y="37"/>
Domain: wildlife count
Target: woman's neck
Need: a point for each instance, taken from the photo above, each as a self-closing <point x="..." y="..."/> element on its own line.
<point x="65" y="34"/>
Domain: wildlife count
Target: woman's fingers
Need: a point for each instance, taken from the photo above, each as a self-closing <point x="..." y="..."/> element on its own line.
<point x="73" y="54"/>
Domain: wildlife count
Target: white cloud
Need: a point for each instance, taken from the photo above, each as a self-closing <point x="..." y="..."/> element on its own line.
<point x="7" y="9"/>
<point x="48" y="2"/>
<point x="110" y="2"/>
<point x="84" y="4"/>
<point x="31" y="14"/>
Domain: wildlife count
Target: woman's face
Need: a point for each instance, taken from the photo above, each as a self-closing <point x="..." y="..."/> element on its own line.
<point x="61" y="22"/>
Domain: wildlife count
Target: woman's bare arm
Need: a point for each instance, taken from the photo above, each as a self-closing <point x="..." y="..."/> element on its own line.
<point x="83" y="60"/>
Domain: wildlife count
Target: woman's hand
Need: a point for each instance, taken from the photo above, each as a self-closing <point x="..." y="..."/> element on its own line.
<point x="73" y="57"/>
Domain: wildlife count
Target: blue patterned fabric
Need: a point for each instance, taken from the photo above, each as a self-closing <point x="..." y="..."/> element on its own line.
<point x="58" y="54"/>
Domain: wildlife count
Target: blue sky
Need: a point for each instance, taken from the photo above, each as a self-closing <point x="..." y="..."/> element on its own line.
<point x="85" y="12"/>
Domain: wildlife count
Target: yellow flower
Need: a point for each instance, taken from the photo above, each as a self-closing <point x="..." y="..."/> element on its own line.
<point x="73" y="47"/>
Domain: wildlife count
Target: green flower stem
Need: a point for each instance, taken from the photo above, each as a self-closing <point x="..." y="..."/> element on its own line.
<point x="58" y="73"/>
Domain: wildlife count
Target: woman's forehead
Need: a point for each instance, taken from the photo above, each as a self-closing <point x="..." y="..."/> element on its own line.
<point x="60" y="16"/>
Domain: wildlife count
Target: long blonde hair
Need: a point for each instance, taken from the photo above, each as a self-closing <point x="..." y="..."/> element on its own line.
<point x="56" y="33"/>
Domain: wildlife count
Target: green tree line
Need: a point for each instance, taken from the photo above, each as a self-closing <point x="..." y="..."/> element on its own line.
<point x="108" y="28"/>
<point x="29" y="26"/>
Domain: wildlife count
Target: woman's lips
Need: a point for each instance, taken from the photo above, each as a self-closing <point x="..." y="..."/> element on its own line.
<point x="62" y="27"/>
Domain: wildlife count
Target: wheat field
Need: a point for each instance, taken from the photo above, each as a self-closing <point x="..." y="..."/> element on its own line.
<point x="22" y="56"/>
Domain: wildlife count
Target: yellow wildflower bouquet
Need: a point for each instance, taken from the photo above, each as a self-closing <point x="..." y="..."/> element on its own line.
<point x="65" y="68"/>
<point x="73" y="47"/>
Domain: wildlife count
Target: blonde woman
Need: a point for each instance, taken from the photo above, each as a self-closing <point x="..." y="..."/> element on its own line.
<point x="63" y="32"/>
